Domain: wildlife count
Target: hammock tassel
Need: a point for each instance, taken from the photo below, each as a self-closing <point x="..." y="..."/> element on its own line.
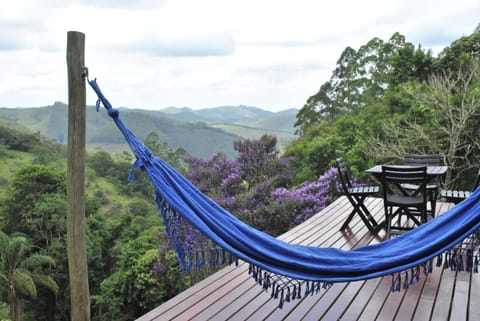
<point x="439" y="260"/>
<point x="447" y="261"/>
<point x="406" y="281"/>
<point x="287" y="298"/>
<point x="396" y="281"/>
<point x="282" y="298"/>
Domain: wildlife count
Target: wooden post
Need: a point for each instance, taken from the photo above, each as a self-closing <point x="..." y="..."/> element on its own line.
<point x="76" y="243"/>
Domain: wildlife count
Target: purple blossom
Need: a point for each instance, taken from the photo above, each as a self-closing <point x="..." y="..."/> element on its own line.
<point x="254" y="186"/>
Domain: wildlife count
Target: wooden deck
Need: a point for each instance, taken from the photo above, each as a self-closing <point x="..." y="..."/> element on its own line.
<point x="231" y="294"/>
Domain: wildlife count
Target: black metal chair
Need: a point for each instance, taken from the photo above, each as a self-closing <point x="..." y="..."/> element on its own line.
<point x="456" y="196"/>
<point x="406" y="206"/>
<point x="423" y="159"/>
<point x="433" y="187"/>
<point x="357" y="195"/>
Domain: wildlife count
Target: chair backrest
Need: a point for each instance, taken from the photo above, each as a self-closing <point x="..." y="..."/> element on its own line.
<point x="343" y="172"/>
<point x="425" y="159"/>
<point x="394" y="177"/>
<point x="419" y="159"/>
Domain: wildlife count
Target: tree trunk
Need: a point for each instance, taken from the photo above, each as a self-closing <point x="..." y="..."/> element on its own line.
<point x="15" y="305"/>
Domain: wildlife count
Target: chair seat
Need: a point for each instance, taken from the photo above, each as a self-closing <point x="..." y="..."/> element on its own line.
<point x="414" y="187"/>
<point x="404" y="201"/>
<point x="364" y="190"/>
<point x="454" y="195"/>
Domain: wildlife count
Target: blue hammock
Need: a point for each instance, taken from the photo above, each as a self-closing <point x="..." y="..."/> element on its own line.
<point x="284" y="267"/>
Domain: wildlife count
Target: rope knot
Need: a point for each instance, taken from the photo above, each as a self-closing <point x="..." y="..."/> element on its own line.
<point x="113" y="112"/>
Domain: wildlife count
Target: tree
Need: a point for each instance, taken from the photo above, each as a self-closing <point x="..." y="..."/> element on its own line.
<point x="35" y="200"/>
<point x="35" y="204"/>
<point x="102" y="163"/>
<point x="443" y="118"/>
<point x="257" y="159"/>
<point x="21" y="271"/>
<point x="361" y="78"/>
<point x="175" y="158"/>
<point x="459" y="53"/>
<point x="136" y="286"/>
<point x="254" y="187"/>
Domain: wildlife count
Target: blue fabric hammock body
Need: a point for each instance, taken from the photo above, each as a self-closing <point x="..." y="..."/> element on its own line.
<point x="408" y="252"/>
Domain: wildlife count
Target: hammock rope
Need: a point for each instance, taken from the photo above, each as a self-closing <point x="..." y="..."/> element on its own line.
<point x="291" y="270"/>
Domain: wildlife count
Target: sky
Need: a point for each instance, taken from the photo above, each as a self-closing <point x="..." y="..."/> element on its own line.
<point x="271" y="54"/>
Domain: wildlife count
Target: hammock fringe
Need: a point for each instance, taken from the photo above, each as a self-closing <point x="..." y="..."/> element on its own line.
<point x="203" y="252"/>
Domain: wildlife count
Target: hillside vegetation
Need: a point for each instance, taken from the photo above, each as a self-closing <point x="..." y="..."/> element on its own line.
<point x="192" y="130"/>
<point x="123" y="226"/>
<point x="132" y="267"/>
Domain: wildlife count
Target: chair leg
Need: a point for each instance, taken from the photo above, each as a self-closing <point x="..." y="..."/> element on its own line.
<point x="367" y="212"/>
<point x="400" y="219"/>
<point x="358" y="210"/>
<point x="388" y="221"/>
<point x="349" y="218"/>
<point x="433" y="202"/>
<point x="366" y="221"/>
<point x="362" y="211"/>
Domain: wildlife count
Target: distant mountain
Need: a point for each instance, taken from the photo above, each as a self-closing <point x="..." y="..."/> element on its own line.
<point x="201" y="133"/>
<point x="214" y="115"/>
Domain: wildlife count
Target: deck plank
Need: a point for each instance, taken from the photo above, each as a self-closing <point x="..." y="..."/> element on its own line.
<point x="427" y="300"/>
<point x="313" y="237"/>
<point x="441" y="309"/>
<point x="474" y="306"/>
<point x="460" y="296"/>
<point x="359" y="302"/>
<point x="333" y="238"/>
<point x="254" y="293"/>
<point x="231" y="294"/>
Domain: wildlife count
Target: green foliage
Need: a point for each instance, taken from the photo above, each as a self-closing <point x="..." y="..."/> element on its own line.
<point x="175" y="158"/>
<point x="3" y="151"/>
<point x="361" y="78"/>
<point x="106" y="166"/>
<point x="16" y="139"/>
<point x="134" y="288"/>
<point x="34" y="204"/>
<point x="102" y="163"/>
<point x="441" y="119"/>
<point x="459" y="53"/>
<point x="4" y="312"/>
<point x="34" y="200"/>
<point x="21" y="271"/>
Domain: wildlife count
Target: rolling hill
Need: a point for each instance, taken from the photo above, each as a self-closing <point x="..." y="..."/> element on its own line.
<point x="201" y="133"/>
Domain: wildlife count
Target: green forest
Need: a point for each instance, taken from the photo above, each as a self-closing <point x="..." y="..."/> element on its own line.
<point x="384" y="99"/>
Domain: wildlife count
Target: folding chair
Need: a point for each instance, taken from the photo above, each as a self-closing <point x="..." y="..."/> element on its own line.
<point x="406" y="206"/>
<point x="456" y="196"/>
<point x="356" y="195"/>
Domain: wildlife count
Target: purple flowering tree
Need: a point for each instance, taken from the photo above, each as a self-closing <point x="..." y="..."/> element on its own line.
<point x="255" y="186"/>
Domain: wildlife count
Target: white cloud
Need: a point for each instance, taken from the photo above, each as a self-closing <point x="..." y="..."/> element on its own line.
<point x="155" y="54"/>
